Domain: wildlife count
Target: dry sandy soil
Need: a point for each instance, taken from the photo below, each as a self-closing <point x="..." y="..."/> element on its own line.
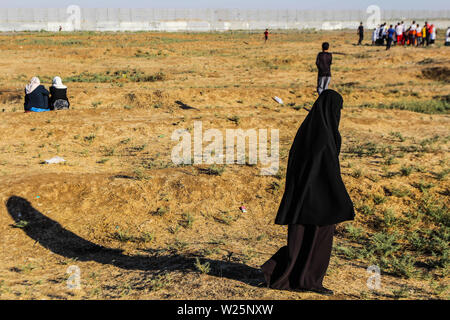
<point x="140" y="227"/>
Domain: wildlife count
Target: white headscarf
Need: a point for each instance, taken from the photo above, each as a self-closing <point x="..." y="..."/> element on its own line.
<point x="57" y="83"/>
<point x="34" y="83"/>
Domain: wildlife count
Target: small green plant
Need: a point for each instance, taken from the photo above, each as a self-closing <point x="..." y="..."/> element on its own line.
<point x="389" y="218"/>
<point x="440" y="289"/>
<point x="422" y="185"/>
<point x="261" y="237"/>
<point x="140" y="147"/>
<point x="403" y="266"/>
<point x="214" y="170"/>
<point x="397" y="135"/>
<point x="102" y="161"/>
<point x="159" y="282"/>
<point x="378" y="198"/>
<point x="26" y="268"/>
<point x="400" y="192"/>
<point x="139" y="174"/>
<point x="356" y="173"/>
<point x="365" y="149"/>
<point x="442" y="174"/>
<point x="109" y="152"/>
<point x="355" y="233"/>
<point x="178" y="245"/>
<point x="274" y="186"/>
<point x="225" y="218"/>
<point x="406" y="171"/>
<point x="160" y="211"/>
<point x="174" y="229"/>
<point x="234" y="119"/>
<point x="90" y="138"/>
<point x="366" y="210"/>
<point x="347" y="252"/>
<point x="95" y="104"/>
<point x="204" y="268"/>
<point x="122" y="236"/>
<point x="187" y="220"/>
<point x="402" y="292"/>
<point x="383" y="245"/>
<point x="390" y="160"/>
<point x="147" y="237"/>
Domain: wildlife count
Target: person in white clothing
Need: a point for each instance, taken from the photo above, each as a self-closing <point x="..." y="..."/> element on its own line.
<point x="404" y="33"/>
<point x="374" y="36"/>
<point x="412" y="34"/>
<point x="399" y="33"/>
<point x="447" y="37"/>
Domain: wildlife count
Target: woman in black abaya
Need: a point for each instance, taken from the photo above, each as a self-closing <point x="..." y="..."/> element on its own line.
<point x="314" y="201"/>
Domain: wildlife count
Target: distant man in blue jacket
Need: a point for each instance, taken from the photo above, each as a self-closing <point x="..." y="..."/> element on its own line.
<point x="390" y="37"/>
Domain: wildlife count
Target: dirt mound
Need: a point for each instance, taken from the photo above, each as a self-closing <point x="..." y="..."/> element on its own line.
<point x="146" y="100"/>
<point x="437" y="73"/>
<point x="10" y="96"/>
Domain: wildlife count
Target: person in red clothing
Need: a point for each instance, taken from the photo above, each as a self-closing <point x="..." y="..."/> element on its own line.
<point x="399" y="33"/>
<point x="266" y="35"/>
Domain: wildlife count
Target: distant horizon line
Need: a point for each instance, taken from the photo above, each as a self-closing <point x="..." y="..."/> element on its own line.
<point x="228" y="8"/>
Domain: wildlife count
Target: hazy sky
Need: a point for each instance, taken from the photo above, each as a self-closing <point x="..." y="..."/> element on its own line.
<point x="241" y="4"/>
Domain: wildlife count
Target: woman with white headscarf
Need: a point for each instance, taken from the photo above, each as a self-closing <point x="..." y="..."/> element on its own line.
<point x="36" y="96"/>
<point x="58" y="98"/>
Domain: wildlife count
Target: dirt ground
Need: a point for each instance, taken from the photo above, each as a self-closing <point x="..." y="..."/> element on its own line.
<point x="137" y="226"/>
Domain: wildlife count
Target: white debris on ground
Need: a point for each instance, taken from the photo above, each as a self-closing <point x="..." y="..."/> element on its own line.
<point x="55" y="160"/>
<point x="277" y="99"/>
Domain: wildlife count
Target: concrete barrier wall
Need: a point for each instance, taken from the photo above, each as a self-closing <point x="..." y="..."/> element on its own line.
<point x="203" y="20"/>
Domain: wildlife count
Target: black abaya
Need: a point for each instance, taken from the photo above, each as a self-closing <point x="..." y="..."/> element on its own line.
<point x="315" y="199"/>
<point x="315" y="193"/>
<point x="301" y="264"/>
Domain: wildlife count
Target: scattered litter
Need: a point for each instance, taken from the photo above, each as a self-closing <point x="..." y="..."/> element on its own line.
<point x="243" y="209"/>
<point x="277" y="99"/>
<point x="55" y="160"/>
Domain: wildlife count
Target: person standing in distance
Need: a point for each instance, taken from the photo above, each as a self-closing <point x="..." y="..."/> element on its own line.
<point x="360" y="33"/>
<point x="323" y="63"/>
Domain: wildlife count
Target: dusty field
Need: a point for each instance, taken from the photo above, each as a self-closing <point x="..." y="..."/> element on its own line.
<point x="140" y="227"/>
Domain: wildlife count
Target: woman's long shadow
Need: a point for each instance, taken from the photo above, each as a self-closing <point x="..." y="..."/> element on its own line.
<point x="52" y="236"/>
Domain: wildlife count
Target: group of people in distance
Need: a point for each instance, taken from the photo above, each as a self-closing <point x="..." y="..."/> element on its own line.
<point x="39" y="99"/>
<point x="400" y="34"/>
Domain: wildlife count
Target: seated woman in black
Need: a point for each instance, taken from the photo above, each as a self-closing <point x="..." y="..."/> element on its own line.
<point x="58" y="98"/>
<point x="36" y="96"/>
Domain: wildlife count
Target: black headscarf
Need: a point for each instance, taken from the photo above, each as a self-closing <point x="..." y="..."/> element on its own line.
<point x="315" y="193"/>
